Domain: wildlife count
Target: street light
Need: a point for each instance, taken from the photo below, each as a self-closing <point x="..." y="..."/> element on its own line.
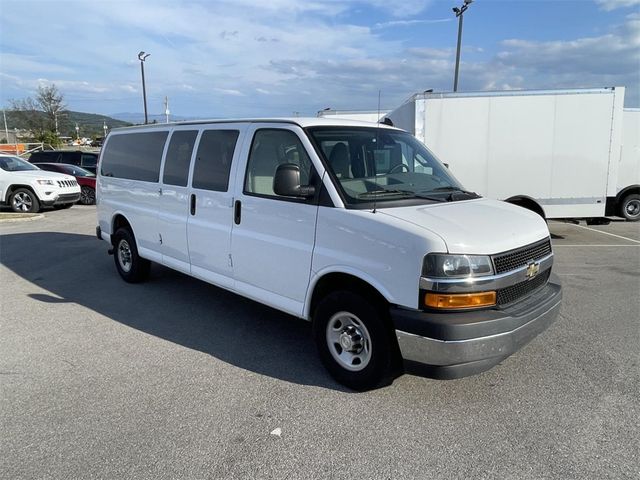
<point x="104" y="128"/>
<point x="78" y="133"/>
<point x="142" y="57"/>
<point x="459" y="14"/>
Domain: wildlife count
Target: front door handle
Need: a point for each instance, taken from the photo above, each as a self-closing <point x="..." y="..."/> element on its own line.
<point x="237" y="212"/>
<point x="193" y="204"/>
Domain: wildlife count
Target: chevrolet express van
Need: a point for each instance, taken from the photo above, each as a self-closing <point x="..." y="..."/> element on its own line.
<point x="355" y="227"/>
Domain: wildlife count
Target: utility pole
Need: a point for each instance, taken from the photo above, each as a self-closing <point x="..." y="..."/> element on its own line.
<point x="459" y="14"/>
<point x="166" y="107"/>
<point x="142" y="56"/>
<point x="6" y="130"/>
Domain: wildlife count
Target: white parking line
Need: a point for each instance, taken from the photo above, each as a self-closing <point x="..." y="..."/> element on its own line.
<point x="605" y="233"/>
<point x="588" y="245"/>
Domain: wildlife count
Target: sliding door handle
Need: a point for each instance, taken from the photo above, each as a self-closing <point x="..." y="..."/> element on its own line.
<point x="193" y="204"/>
<point x="237" y="212"/>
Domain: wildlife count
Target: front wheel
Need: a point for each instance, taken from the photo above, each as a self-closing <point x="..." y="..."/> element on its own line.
<point x="353" y="342"/>
<point x="131" y="266"/>
<point x="24" y="201"/>
<point x="630" y="207"/>
<point x="87" y="195"/>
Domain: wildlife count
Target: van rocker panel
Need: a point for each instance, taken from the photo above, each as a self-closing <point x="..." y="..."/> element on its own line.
<point x="458" y="339"/>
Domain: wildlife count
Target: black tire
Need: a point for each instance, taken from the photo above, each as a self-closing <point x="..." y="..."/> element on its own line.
<point x="630" y="207"/>
<point x="24" y="200"/>
<point x="87" y="195"/>
<point x="131" y="267"/>
<point x="333" y="317"/>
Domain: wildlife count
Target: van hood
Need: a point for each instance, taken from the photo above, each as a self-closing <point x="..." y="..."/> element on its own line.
<point x="479" y="226"/>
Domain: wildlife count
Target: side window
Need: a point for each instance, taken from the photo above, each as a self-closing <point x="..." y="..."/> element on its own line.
<point x="271" y="148"/>
<point x="72" y="158"/>
<point x="176" y="165"/>
<point x="213" y="159"/>
<point x="89" y="160"/>
<point x="134" y="156"/>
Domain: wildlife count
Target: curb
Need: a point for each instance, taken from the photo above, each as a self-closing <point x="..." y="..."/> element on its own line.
<point x="28" y="217"/>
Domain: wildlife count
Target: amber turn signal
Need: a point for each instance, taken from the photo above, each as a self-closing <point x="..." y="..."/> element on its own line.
<point x="460" y="300"/>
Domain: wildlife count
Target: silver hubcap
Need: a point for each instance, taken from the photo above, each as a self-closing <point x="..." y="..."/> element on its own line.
<point x="633" y="208"/>
<point x="124" y="255"/>
<point x="349" y="341"/>
<point x="22" y="201"/>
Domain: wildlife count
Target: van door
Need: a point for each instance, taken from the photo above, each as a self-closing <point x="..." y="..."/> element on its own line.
<point x="173" y="210"/>
<point x="273" y="236"/>
<point x="210" y="213"/>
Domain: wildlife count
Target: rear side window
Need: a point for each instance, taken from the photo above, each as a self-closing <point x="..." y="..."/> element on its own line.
<point x="52" y="157"/>
<point x="213" y="160"/>
<point x="89" y="160"/>
<point x="176" y="165"/>
<point x="134" y="156"/>
<point x="72" y="158"/>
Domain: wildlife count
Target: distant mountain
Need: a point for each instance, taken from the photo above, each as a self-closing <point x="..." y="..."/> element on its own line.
<point x="90" y="124"/>
<point x="138" y="118"/>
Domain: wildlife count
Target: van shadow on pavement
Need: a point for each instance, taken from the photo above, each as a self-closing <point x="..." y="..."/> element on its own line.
<point x="76" y="269"/>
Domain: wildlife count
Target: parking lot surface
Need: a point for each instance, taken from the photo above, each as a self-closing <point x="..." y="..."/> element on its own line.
<point x="175" y="378"/>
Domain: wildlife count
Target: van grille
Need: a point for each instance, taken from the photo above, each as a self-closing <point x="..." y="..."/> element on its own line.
<point x="519" y="257"/>
<point x="510" y="294"/>
<point x="67" y="183"/>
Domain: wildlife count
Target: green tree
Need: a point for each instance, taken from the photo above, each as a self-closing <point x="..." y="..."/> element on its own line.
<point x="41" y="114"/>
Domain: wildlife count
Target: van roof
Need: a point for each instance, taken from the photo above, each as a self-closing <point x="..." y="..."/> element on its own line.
<point x="300" y="121"/>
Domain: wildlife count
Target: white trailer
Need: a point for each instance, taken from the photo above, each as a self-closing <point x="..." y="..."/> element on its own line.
<point x="557" y="152"/>
<point x="360" y="115"/>
<point x="627" y="191"/>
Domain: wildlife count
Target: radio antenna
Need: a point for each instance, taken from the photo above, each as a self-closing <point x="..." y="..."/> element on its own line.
<point x="375" y="167"/>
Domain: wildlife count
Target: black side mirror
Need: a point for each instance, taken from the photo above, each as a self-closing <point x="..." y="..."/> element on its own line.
<point x="287" y="182"/>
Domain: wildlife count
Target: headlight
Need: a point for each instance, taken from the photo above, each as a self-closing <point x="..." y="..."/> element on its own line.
<point x="441" y="265"/>
<point x="45" y="182"/>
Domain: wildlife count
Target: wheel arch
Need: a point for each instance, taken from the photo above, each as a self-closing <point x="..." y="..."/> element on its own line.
<point x="333" y="280"/>
<point x="12" y="188"/>
<point x="527" y="202"/>
<point x="119" y="220"/>
<point x="631" y="189"/>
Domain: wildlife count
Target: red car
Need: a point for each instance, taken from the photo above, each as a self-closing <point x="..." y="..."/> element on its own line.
<point x="85" y="178"/>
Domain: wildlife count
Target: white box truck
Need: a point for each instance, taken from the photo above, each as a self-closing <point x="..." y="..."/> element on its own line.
<point x="556" y="152"/>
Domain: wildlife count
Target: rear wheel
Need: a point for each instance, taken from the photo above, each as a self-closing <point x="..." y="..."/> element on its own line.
<point x="24" y="201"/>
<point x="87" y="195"/>
<point x="131" y="267"/>
<point x="353" y="341"/>
<point x="630" y="207"/>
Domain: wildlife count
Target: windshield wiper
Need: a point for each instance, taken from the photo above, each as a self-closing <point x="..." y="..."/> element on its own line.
<point x="407" y="193"/>
<point x="455" y="190"/>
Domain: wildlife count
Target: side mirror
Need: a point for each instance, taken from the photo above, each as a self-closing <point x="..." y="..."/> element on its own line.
<point x="287" y="182"/>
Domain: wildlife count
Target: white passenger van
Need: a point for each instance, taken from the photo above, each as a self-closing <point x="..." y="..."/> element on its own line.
<point x="355" y="227"/>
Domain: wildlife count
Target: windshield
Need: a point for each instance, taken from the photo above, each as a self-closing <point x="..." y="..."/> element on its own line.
<point x="15" y="164"/>
<point x="385" y="165"/>
<point x="76" y="171"/>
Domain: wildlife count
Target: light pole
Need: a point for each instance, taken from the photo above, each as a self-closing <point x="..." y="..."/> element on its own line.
<point x="78" y="133"/>
<point x="459" y="14"/>
<point x="104" y="128"/>
<point x="142" y="57"/>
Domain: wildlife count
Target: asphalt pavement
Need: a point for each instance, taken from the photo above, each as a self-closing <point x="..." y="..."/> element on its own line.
<point x="175" y="378"/>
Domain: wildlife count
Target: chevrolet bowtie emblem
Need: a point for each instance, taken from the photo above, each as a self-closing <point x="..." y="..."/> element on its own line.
<point x="532" y="269"/>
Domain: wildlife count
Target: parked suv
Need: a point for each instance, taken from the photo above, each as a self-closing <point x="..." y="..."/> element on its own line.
<point x="85" y="179"/>
<point x="86" y="160"/>
<point x="357" y="228"/>
<point x="26" y="188"/>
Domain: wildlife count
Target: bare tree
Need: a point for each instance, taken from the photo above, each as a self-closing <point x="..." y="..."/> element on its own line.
<point x="40" y="115"/>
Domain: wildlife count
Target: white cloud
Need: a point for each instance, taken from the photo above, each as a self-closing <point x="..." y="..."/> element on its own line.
<point x="609" y="5"/>
<point x="406" y="23"/>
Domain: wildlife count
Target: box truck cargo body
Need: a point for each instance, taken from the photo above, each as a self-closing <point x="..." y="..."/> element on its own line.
<point x="556" y="152"/>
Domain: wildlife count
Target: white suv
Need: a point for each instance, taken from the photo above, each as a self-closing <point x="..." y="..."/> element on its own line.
<point x="26" y="188"/>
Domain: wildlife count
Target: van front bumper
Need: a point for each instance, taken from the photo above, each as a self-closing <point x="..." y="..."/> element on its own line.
<point x="457" y="344"/>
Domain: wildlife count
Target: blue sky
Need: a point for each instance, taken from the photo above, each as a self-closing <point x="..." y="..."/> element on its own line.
<point x="237" y="58"/>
